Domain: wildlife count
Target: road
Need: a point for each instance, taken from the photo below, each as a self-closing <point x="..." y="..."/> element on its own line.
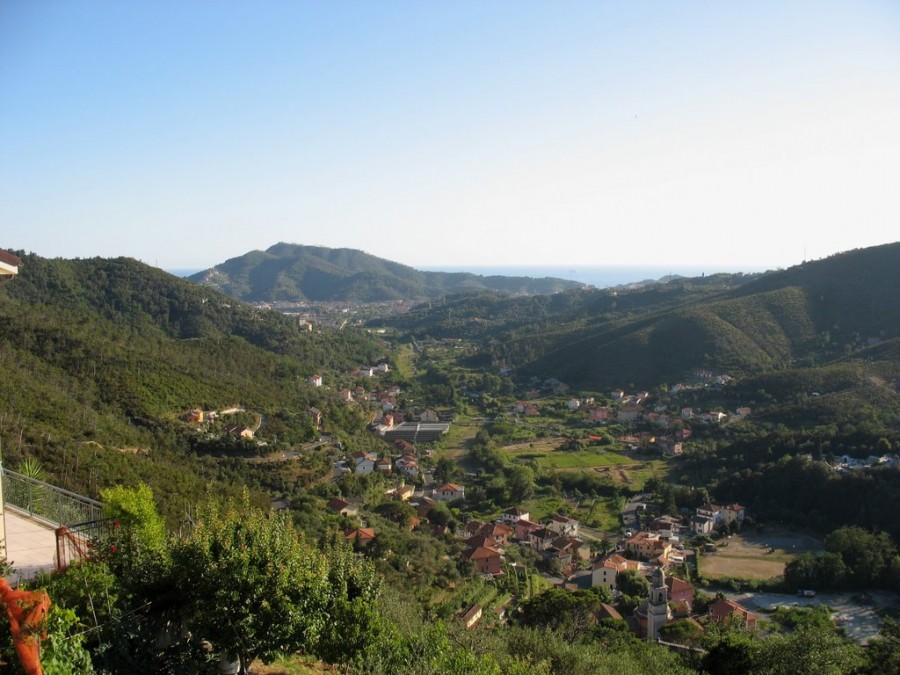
<point x="291" y="455"/>
<point x="860" y="620"/>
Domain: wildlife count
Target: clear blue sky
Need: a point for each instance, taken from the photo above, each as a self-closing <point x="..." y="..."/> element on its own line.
<point x="184" y="133"/>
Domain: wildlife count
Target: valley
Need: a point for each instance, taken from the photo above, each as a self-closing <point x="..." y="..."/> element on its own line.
<point x="498" y="464"/>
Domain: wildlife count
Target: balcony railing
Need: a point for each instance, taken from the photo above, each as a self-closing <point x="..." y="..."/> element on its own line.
<point x="75" y="543"/>
<point x="48" y="502"/>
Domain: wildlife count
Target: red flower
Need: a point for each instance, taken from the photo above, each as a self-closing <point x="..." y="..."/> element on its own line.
<point x="90" y="544"/>
<point x="113" y="548"/>
<point x="116" y="524"/>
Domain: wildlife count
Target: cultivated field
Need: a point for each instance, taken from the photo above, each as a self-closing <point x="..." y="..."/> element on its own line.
<point x="750" y="556"/>
<point x="618" y="467"/>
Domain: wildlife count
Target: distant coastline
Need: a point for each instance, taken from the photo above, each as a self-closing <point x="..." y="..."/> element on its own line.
<point x="599" y="276"/>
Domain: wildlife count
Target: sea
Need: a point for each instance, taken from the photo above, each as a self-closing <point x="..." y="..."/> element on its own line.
<point x="599" y="276"/>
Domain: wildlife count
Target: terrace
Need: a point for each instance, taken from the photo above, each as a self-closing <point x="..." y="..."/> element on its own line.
<point x="37" y="525"/>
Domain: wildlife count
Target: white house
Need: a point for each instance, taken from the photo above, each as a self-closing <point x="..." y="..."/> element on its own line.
<point x="449" y="492"/>
<point x="563" y="525"/>
<point x="364" y="462"/>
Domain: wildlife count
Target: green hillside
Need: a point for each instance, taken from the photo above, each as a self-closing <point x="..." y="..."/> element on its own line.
<point x="101" y="357"/>
<point x="290" y="272"/>
<point x="810" y="314"/>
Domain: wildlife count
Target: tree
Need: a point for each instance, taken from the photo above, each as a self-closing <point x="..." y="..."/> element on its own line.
<point x="809" y="650"/>
<point x="445" y="469"/>
<point x="866" y="554"/>
<point x="632" y="583"/>
<point x="251" y="586"/>
<point x="571" y="614"/>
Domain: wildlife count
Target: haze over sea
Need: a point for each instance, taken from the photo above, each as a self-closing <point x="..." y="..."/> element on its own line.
<point x="599" y="276"/>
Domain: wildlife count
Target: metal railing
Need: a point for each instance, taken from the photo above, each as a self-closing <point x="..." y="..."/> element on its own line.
<point x="48" y="502"/>
<point x="75" y="543"/>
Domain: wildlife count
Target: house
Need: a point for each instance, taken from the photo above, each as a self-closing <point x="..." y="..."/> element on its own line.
<point x="423" y="506"/>
<point x="472" y="616"/>
<point x="362" y="537"/>
<point x="687" y="413"/>
<point x="702" y="524"/>
<point x="363" y="462"/>
<point x="573" y="404"/>
<point x="382" y="368"/>
<point x="365" y="372"/>
<point x="342" y="507"/>
<point x="617" y="395"/>
<point x="408" y="466"/>
<point x="486" y="561"/>
<point x="608" y="612"/>
<point x="728" y="612"/>
<point x="681" y="595"/>
<point x="316" y="416"/>
<point x="628" y="413"/>
<point x="383" y="465"/>
<point x="429" y="416"/>
<point x="734" y="514"/>
<point x="525" y="527"/>
<point x="646" y="546"/>
<point x="315" y="380"/>
<point x="472" y="528"/>
<point x="713" y="511"/>
<point x="599" y="415"/>
<point x="497" y="533"/>
<point x="346" y="395"/>
<point x="9" y="266"/>
<point x="194" y="416"/>
<point x="242" y="432"/>
<point x="541" y="539"/>
<point x="513" y="515"/>
<point x="667" y="522"/>
<point x="449" y="492"/>
<point x="404" y="492"/>
<point x="305" y="326"/>
<point x="673" y="450"/>
<point x="405" y="447"/>
<point x="575" y="548"/>
<point x="603" y="573"/>
<point x="563" y="525"/>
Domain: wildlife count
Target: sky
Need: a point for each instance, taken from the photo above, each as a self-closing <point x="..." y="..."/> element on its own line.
<point x="739" y="135"/>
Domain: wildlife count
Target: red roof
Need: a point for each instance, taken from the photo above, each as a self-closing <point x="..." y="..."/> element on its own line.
<point x="449" y="487"/>
<point x="482" y="553"/>
<point x="9" y="258"/>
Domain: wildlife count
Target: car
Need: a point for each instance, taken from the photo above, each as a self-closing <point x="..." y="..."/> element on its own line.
<point x="806" y="593"/>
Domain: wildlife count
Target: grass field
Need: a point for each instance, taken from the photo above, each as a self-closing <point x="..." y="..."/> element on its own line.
<point x="748" y="556"/>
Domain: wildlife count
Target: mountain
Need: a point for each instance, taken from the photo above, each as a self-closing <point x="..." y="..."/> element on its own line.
<point x="290" y="273"/>
<point x="813" y="313"/>
<point x="100" y="358"/>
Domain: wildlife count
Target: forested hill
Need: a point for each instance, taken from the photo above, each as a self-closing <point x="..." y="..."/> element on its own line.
<point x="290" y="272"/>
<point x="103" y="355"/>
<point x="810" y="314"/>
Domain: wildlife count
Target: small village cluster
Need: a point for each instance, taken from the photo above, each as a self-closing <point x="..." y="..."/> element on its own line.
<point x="652" y="553"/>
